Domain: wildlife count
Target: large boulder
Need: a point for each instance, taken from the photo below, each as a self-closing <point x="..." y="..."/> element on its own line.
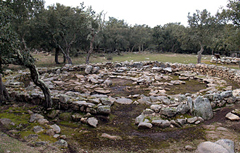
<point x="202" y="107"/>
<point x="220" y="146"/>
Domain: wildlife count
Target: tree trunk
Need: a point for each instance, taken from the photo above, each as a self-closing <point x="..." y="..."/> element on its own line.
<point x="41" y="84"/>
<point x="200" y="53"/>
<point x="69" y="60"/>
<point x="57" y="50"/>
<point x="1" y="89"/>
<point x="91" y="47"/>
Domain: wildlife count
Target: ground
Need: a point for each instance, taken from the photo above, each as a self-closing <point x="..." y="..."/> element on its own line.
<point x="121" y="123"/>
<point x="82" y="138"/>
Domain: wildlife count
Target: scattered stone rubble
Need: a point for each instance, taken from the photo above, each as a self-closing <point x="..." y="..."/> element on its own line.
<point x="225" y="60"/>
<point x="84" y="88"/>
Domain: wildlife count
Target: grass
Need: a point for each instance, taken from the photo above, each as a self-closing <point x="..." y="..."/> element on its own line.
<point x="48" y="61"/>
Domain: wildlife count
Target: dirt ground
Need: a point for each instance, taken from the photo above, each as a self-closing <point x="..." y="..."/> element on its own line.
<point x="121" y="123"/>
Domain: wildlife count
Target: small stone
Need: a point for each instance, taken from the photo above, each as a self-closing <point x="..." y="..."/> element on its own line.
<point x="139" y="119"/>
<point x="63" y="136"/>
<point x="40" y="143"/>
<point x="143" y="125"/>
<point x="37" y="129"/>
<point x="192" y="120"/>
<point x="222" y="129"/>
<point x="50" y="132"/>
<point x="56" y="136"/>
<point x="61" y="143"/>
<point x="35" y="117"/>
<point x="56" y="128"/>
<point x="92" y="121"/>
<point x="111" y="137"/>
<point x="232" y="117"/>
<point x="189" y="148"/>
<point x="43" y="121"/>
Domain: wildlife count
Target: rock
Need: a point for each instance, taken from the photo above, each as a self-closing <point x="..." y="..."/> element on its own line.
<point x="43" y="121"/>
<point x="155" y="108"/>
<point x="53" y="113"/>
<point x="56" y="128"/>
<point x="226" y="94"/>
<point x="50" y="132"/>
<point x="144" y="100"/>
<point x="56" y="136"/>
<point x="192" y="120"/>
<point x="111" y="137"/>
<point x="147" y="111"/>
<point x="63" y="98"/>
<point x="144" y="125"/>
<point x="232" y="117"/>
<point x="88" y="69"/>
<point x="35" y="117"/>
<point x="104" y="109"/>
<point x="61" y="143"/>
<point x="95" y="70"/>
<point x="183" y="108"/>
<point x="102" y="91"/>
<point x="165" y="100"/>
<point x="106" y="101"/>
<point x="190" y="103"/>
<point x="7" y="122"/>
<point x="220" y="146"/>
<point x="51" y="149"/>
<point x="123" y="101"/>
<point x="139" y="119"/>
<point x="227" y="144"/>
<point x="236" y="92"/>
<point x="231" y="100"/>
<point x="161" y="123"/>
<point x="189" y="148"/>
<point x="107" y="82"/>
<point x="236" y="111"/>
<point x="40" y="143"/>
<point x="168" y="111"/>
<point x="174" y="123"/>
<point x="37" y="129"/>
<point x="202" y="108"/>
<point x="76" y="117"/>
<point x="92" y="121"/>
<point x="181" y="121"/>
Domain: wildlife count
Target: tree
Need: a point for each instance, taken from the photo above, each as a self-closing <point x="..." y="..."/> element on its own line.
<point x="200" y="28"/>
<point x="24" y="11"/>
<point x="11" y="51"/>
<point x="96" y="24"/>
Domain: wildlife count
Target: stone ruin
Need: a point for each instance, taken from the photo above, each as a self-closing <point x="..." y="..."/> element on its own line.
<point x="88" y="89"/>
<point x="225" y="60"/>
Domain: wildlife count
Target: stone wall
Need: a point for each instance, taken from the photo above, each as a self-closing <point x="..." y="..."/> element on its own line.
<point x="17" y="89"/>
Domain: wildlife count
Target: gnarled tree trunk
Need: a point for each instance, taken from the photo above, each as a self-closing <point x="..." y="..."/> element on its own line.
<point x="36" y="80"/>
<point x="200" y="53"/>
<point x="41" y="84"/>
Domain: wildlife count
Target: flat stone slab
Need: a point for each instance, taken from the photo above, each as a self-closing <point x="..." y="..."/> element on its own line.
<point x="102" y="91"/>
<point x="124" y="101"/>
